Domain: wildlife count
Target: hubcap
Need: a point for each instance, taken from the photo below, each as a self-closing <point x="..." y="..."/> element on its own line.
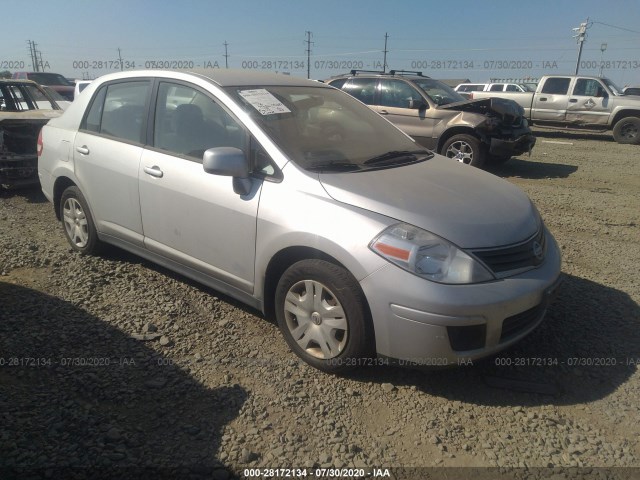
<point x="75" y="222"/>
<point x="315" y="319"/>
<point x="629" y="130"/>
<point x="461" y="151"/>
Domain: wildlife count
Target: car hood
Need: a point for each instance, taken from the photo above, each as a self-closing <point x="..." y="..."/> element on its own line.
<point x="506" y="109"/>
<point x="465" y="205"/>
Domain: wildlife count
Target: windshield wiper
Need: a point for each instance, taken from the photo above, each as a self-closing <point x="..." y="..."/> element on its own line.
<point x="333" y="166"/>
<point x="399" y="154"/>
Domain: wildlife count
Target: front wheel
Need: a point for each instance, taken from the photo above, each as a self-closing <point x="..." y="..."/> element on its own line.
<point x="627" y="130"/>
<point x="465" y="149"/>
<point x="321" y="313"/>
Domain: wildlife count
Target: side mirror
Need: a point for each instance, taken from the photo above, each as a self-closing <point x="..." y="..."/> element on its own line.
<point x="417" y="104"/>
<point x="230" y="162"/>
<point x="227" y="161"/>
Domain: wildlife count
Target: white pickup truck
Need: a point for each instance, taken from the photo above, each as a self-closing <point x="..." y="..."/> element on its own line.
<point x="580" y="103"/>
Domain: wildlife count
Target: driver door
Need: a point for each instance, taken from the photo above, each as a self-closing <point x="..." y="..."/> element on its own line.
<point x="394" y="104"/>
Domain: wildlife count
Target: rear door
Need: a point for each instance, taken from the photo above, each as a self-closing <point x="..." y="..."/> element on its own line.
<point x="189" y="216"/>
<point x="107" y="151"/>
<point x="551" y="102"/>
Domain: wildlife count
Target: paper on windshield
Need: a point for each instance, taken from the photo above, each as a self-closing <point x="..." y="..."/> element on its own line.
<point x="263" y="101"/>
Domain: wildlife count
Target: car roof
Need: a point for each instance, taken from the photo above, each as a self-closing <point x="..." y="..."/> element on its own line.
<point x="17" y="81"/>
<point x="221" y="77"/>
<point x="389" y="74"/>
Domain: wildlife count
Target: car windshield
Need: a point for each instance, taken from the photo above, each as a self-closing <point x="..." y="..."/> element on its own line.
<point x="323" y="129"/>
<point x="49" y="79"/>
<point x="440" y="93"/>
<point x="612" y="86"/>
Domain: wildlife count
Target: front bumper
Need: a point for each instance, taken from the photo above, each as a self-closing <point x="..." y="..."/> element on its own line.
<point x="503" y="148"/>
<point x="424" y="323"/>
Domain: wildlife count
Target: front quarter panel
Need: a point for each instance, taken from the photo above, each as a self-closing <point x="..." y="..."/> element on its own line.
<point x="299" y="213"/>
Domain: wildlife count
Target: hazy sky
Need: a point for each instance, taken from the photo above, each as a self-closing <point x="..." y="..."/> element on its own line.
<point x="443" y="39"/>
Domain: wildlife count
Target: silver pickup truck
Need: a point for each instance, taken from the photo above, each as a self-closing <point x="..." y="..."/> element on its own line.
<point x="581" y="103"/>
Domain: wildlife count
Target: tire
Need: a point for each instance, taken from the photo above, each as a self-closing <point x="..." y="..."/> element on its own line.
<point x="77" y="222"/>
<point x="627" y="130"/>
<point x="464" y="148"/>
<point x="330" y="329"/>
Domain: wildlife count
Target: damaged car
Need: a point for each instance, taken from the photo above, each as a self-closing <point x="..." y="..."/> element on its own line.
<point x="24" y="108"/>
<point x="439" y="118"/>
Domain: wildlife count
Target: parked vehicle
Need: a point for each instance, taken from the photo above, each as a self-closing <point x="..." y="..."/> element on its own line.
<point x="54" y="80"/>
<point x="577" y="102"/>
<point x="464" y="88"/>
<point x="441" y="119"/>
<point x="297" y="199"/>
<point x="631" y="90"/>
<point x="24" y="108"/>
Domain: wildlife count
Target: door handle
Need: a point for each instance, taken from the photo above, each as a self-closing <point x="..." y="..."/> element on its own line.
<point x="153" y="171"/>
<point x="573" y="100"/>
<point x="383" y="112"/>
<point x="543" y="99"/>
<point x="83" y="150"/>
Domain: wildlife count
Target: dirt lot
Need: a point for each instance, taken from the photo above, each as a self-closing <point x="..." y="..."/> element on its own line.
<point x="113" y="365"/>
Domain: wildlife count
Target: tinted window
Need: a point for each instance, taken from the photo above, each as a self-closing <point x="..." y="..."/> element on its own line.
<point x="124" y="110"/>
<point x="338" y="83"/>
<point x="188" y="122"/>
<point x="588" y="87"/>
<point x="364" y="89"/>
<point x="557" y="86"/>
<point x="118" y="110"/>
<point x="94" y="116"/>
<point x="496" y="88"/>
<point x="396" y="93"/>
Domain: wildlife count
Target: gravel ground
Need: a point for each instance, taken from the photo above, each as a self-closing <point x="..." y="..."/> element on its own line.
<point x="114" y="366"/>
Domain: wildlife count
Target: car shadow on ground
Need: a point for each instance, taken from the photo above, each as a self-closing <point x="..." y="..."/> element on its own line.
<point x="532" y="170"/>
<point x="31" y="194"/>
<point x="582" y="352"/>
<point x="80" y="398"/>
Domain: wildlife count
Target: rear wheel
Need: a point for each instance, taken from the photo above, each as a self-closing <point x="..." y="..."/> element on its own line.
<point x="627" y="130"/>
<point x="78" y="223"/>
<point x="322" y="315"/>
<point x="465" y="149"/>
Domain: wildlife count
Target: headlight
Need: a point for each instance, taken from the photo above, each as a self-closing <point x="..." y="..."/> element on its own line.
<point x="428" y="256"/>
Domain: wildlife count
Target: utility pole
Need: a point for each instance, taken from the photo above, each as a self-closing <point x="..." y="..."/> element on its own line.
<point x="384" y="61"/>
<point x="581" y="36"/>
<point x="32" y="54"/>
<point x="308" y="42"/>
<point x="39" y="57"/>
<point x="120" y="58"/>
<point x="603" y="47"/>
<point x="226" y="55"/>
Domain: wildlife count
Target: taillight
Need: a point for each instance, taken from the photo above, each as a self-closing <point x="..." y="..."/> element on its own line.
<point x="40" y="146"/>
<point x="471" y="96"/>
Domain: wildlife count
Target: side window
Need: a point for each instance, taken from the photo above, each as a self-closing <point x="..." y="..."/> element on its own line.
<point x="513" y="88"/>
<point x="496" y="88"/>
<point x="556" y="86"/>
<point x="364" y="89"/>
<point x="396" y="93"/>
<point x="94" y="116"/>
<point x="119" y="110"/>
<point x="188" y="122"/>
<point x="338" y="83"/>
<point x="588" y="87"/>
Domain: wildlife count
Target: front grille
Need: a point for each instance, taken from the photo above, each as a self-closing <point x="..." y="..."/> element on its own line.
<point x="530" y="253"/>
<point x="516" y="324"/>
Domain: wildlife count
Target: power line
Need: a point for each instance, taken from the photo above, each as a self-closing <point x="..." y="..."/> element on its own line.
<point x="615" y="26"/>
